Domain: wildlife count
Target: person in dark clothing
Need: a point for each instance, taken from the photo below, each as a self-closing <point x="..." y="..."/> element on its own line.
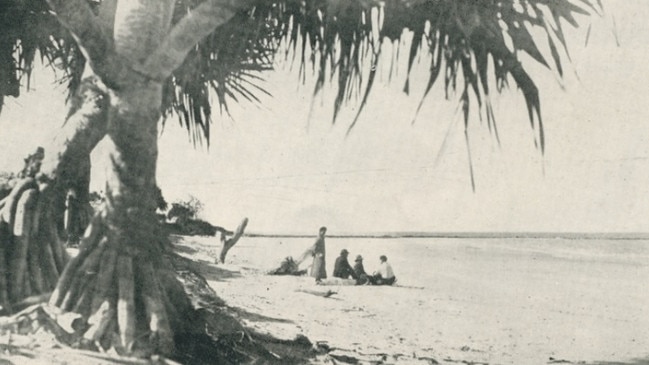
<point x="361" y="276"/>
<point x="317" y="251"/>
<point x="342" y="269"/>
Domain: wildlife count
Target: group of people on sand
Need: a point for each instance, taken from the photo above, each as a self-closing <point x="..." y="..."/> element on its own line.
<point x="343" y="270"/>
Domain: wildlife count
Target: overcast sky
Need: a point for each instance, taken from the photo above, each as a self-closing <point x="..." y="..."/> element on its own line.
<point x="287" y="168"/>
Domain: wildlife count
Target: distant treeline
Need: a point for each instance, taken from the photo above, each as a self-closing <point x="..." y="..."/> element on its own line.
<point x="484" y="235"/>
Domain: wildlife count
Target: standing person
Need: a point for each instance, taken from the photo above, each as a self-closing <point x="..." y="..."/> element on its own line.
<point x="384" y="275"/>
<point x="317" y="251"/>
<point x="342" y="268"/>
<point x="318" y="270"/>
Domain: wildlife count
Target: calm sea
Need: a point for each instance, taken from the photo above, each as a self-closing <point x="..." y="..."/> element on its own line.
<point x="421" y="261"/>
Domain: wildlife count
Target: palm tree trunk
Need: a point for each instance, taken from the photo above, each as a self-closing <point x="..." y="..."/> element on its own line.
<point x="120" y="281"/>
<point x="32" y="254"/>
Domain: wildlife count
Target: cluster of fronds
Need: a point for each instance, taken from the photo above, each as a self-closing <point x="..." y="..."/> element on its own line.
<point x="335" y="38"/>
<point x="464" y="38"/>
<point x="227" y="64"/>
<point x="28" y="29"/>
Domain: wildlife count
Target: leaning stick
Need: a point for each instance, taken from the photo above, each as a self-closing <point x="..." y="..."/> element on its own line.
<point x="69" y="272"/>
<point x="35" y="252"/>
<point x="82" y="304"/>
<point x="84" y="275"/>
<point x="155" y="309"/>
<point x="48" y="264"/>
<point x="105" y="277"/>
<point x="57" y="246"/>
<point x="18" y="261"/>
<point x="126" y="301"/>
<point x="4" y="297"/>
<point x="27" y="287"/>
<point x="33" y="263"/>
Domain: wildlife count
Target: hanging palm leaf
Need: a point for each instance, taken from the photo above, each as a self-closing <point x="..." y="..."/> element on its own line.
<point x="333" y="38"/>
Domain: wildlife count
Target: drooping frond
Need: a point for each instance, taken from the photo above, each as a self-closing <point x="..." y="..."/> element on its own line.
<point x="28" y="28"/>
<point x="229" y="62"/>
<point x="463" y="38"/>
<point x="473" y="45"/>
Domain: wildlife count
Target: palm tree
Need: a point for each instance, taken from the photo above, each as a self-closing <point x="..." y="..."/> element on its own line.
<point x="130" y="62"/>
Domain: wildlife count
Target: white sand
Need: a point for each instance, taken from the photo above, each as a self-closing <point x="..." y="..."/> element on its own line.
<point x="488" y="301"/>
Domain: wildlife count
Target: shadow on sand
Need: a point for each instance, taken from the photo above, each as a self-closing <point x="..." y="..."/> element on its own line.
<point x="629" y="362"/>
<point x="184" y="249"/>
<point x="256" y="317"/>
<point x="211" y="272"/>
<point x="632" y="362"/>
<point x="226" y="339"/>
<point x="207" y="269"/>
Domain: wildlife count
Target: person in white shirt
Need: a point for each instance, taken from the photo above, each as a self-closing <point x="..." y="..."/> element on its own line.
<point x="384" y="275"/>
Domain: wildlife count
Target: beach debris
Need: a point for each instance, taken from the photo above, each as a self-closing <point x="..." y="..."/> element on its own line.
<point x="228" y="243"/>
<point x="288" y="266"/>
<point x="552" y="360"/>
<point x="326" y="294"/>
<point x="329" y="293"/>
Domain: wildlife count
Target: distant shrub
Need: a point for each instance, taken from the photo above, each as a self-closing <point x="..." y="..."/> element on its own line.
<point x="182" y="218"/>
<point x="183" y="210"/>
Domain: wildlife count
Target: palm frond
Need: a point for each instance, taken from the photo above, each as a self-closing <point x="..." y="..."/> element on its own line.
<point x="229" y="62"/>
<point x="462" y="37"/>
<point x="28" y="28"/>
<point x="337" y="40"/>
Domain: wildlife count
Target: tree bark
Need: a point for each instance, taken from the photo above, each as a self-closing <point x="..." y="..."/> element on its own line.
<point x="120" y="282"/>
<point x="32" y="254"/>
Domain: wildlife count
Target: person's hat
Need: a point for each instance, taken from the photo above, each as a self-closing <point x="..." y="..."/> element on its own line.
<point x="359" y="258"/>
<point x="344" y="252"/>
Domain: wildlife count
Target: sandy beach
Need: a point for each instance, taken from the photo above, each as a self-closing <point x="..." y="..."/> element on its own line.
<point x="475" y="301"/>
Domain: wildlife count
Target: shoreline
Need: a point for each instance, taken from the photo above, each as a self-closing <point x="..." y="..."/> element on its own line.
<point x="455" y="302"/>
<point x="470" y="235"/>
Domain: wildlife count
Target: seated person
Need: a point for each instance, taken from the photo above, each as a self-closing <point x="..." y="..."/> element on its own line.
<point x="288" y="266"/>
<point x="342" y="269"/>
<point x="363" y="277"/>
<point x="384" y="275"/>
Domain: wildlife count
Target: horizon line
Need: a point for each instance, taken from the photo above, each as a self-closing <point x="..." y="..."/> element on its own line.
<point x="466" y="234"/>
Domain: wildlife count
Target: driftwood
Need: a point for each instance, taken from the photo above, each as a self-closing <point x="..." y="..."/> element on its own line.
<point x="324" y="294"/>
<point x="228" y="243"/>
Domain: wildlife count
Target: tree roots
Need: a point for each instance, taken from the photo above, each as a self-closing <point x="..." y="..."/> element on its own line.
<point x="116" y="293"/>
<point x="123" y="295"/>
<point x="31" y="253"/>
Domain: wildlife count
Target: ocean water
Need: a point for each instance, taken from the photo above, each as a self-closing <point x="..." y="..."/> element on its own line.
<point x="420" y="261"/>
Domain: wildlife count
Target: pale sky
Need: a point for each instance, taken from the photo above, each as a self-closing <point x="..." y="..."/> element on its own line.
<point x="289" y="172"/>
